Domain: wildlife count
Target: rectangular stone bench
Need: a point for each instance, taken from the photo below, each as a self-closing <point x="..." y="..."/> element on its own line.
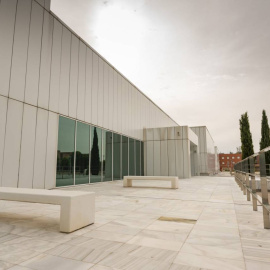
<point x="77" y="207"/>
<point x="127" y="182"/>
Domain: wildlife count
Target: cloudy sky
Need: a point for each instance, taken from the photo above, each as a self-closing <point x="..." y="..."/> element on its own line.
<point x="204" y="62"/>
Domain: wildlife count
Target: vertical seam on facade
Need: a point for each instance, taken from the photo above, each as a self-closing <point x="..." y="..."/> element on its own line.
<point x="85" y="62"/>
<point x="37" y="112"/>
<point x="78" y="79"/>
<point x="60" y="71"/>
<point x="45" y="161"/>
<point x="69" y="73"/>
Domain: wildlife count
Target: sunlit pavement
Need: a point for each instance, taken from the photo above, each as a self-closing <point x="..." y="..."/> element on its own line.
<point x="217" y="230"/>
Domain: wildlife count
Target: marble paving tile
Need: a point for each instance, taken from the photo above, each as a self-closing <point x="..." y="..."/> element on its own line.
<point x="117" y="237"/>
<point x="257" y="254"/>
<point x="76" y="253"/>
<point x="102" y="267"/>
<point x="5" y="265"/>
<point x="101" y="244"/>
<point x="183" y="267"/>
<point x="172" y="227"/>
<point x="113" y="228"/>
<point x="257" y="265"/>
<point x="208" y="262"/>
<point x="19" y="267"/>
<point x="45" y="262"/>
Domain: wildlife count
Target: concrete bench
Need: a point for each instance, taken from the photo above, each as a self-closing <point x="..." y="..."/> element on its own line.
<point x="77" y="208"/>
<point x="128" y="179"/>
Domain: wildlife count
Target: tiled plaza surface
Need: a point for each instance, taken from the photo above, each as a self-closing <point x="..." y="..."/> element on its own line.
<point x="127" y="234"/>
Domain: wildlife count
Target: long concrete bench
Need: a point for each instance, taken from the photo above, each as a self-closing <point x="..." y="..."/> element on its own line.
<point x="77" y="208"/>
<point x="128" y="179"/>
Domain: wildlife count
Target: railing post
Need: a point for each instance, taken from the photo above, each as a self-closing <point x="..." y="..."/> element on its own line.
<point x="253" y="183"/>
<point x="247" y="185"/>
<point x="264" y="190"/>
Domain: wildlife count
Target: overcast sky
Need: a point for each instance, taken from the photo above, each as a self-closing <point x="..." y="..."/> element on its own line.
<point x="204" y="62"/>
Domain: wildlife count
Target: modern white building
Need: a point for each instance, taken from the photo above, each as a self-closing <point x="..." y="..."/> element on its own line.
<point x="67" y="116"/>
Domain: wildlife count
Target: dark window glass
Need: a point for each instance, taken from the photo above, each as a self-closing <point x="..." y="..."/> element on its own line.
<point x="116" y="156"/>
<point x="95" y="163"/>
<point x="107" y="156"/>
<point x="124" y="156"/>
<point x="65" y="152"/>
<point x="82" y="154"/>
<point x="131" y="157"/>
<point x="138" y="157"/>
<point x="142" y="158"/>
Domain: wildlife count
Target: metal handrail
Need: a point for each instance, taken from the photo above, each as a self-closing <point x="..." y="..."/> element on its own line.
<point x="245" y="177"/>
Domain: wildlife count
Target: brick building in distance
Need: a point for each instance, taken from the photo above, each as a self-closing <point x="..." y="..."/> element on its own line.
<point x="227" y="161"/>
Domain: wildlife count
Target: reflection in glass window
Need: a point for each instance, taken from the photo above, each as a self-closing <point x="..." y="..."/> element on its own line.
<point x="138" y="157"/>
<point x="82" y="154"/>
<point x="124" y="156"/>
<point x="142" y="159"/>
<point x="116" y="156"/>
<point x="107" y="156"/>
<point x="131" y="157"/>
<point x="65" y="152"/>
<point x="95" y="163"/>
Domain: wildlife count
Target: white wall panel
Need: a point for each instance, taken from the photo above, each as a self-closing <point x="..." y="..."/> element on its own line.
<point x="123" y="98"/>
<point x="95" y="90"/>
<point x="40" y="149"/>
<point x="7" y="22"/>
<point x="45" y="61"/>
<point x="111" y="98"/>
<point x="164" y="170"/>
<point x="119" y="105"/>
<point x="3" y="116"/>
<point x="106" y="96"/>
<point x="55" y="66"/>
<point x="65" y="71"/>
<point x="149" y="158"/>
<point x="157" y="158"/>
<point x="100" y="91"/>
<point x="12" y="144"/>
<point x="51" y="153"/>
<point x="81" y="81"/>
<point x="20" y="45"/>
<point x="172" y="157"/>
<point x="179" y="159"/>
<point x="186" y="158"/>
<point x="27" y="146"/>
<point x="88" y="85"/>
<point x="74" y="68"/>
<point x="34" y="49"/>
<point x="115" y="102"/>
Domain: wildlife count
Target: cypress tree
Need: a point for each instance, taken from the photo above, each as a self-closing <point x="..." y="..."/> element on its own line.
<point x="265" y="139"/>
<point x="246" y="137"/>
<point x="95" y="159"/>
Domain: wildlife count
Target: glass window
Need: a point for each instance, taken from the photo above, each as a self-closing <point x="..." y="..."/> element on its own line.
<point x="222" y="157"/>
<point x="95" y="160"/>
<point x="116" y="156"/>
<point x="124" y="156"/>
<point x="82" y="154"/>
<point x="232" y="157"/>
<point x="131" y="157"/>
<point x="65" y="152"/>
<point x="138" y="157"/>
<point x="227" y="157"/>
<point x="107" y="156"/>
<point x="142" y="158"/>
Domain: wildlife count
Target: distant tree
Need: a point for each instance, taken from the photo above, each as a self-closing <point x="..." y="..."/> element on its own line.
<point x="265" y="137"/>
<point x="95" y="159"/>
<point x="246" y="137"/>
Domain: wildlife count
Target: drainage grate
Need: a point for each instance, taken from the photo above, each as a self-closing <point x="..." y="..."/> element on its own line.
<point x="179" y="220"/>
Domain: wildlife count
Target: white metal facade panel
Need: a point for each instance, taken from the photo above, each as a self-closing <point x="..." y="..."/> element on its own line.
<point x="65" y="71"/>
<point x="119" y="103"/>
<point x="106" y="96"/>
<point x="100" y="91"/>
<point x="7" y="22"/>
<point x="12" y="144"/>
<point x="34" y="49"/>
<point x="81" y="81"/>
<point x="164" y="170"/>
<point x="74" y="68"/>
<point x="115" y="101"/>
<point x="179" y="159"/>
<point x="40" y="149"/>
<point x="55" y="66"/>
<point x="20" y="45"/>
<point x="186" y="158"/>
<point x="123" y="115"/>
<point x="3" y="116"/>
<point x="51" y="153"/>
<point x="88" y="86"/>
<point x="172" y="157"/>
<point x="95" y="90"/>
<point x="27" y="146"/>
<point x="45" y="61"/>
<point x="111" y="98"/>
<point x="149" y="157"/>
<point x="157" y="158"/>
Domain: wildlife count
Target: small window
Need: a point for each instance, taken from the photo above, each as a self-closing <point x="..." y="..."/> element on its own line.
<point x="222" y="157"/>
<point x="223" y="163"/>
<point x="232" y="157"/>
<point x="227" y="157"/>
<point x="238" y="157"/>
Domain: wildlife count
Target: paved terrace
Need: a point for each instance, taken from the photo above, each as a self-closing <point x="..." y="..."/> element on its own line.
<point x="127" y="234"/>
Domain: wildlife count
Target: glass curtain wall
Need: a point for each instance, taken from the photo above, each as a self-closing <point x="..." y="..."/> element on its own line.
<point x="96" y="154"/>
<point x="116" y="156"/>
<point x="88" y="154"/>
<point x="82" y="154"/>
<point x="107" y="156"/>
<point x="65" y="152"/>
